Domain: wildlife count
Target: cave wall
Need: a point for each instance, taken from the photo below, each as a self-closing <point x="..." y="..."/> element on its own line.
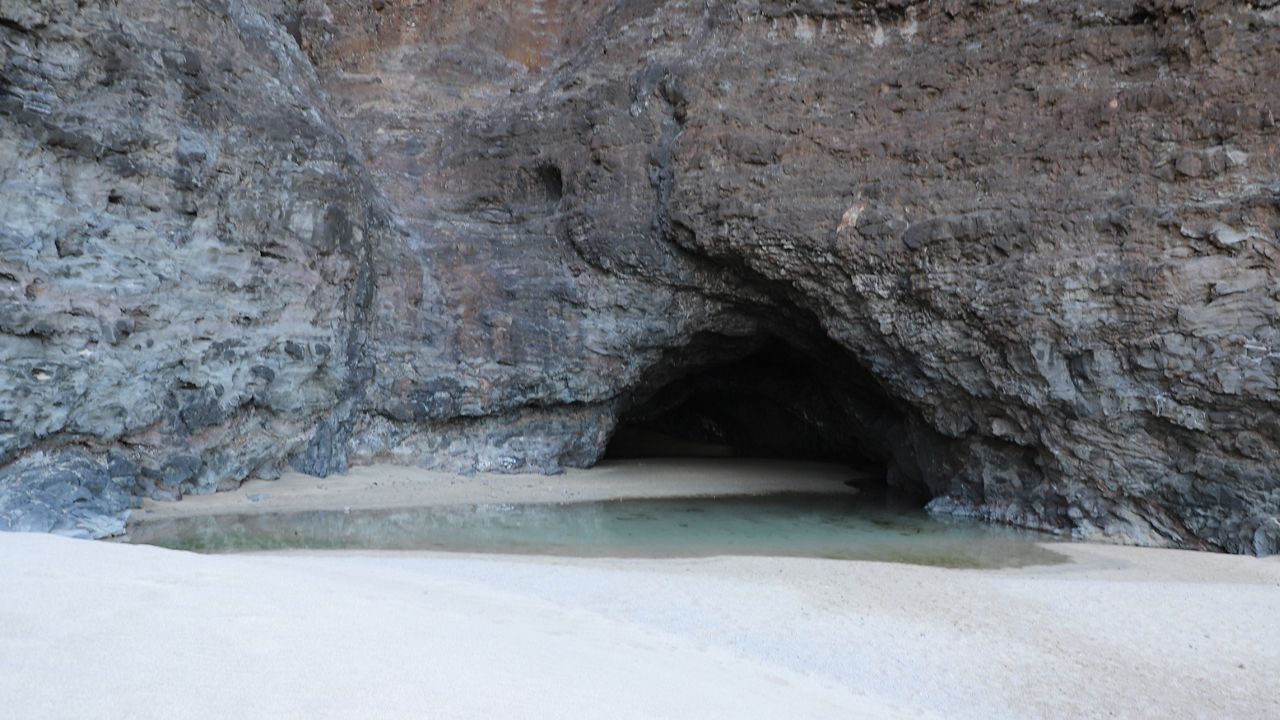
<point x="469" y="235"/>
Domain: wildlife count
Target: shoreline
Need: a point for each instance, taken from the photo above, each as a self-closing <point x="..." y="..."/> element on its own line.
<point x="383" y="486"/>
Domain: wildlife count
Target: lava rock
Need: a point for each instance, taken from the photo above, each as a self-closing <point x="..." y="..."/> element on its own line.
<point x="67" y="493"/>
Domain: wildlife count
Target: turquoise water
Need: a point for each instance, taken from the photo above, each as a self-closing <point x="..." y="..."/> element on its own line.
<point x="789" y="524"/>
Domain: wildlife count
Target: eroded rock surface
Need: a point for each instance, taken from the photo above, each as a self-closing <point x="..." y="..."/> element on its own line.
<point x="185" y="243"/>
<point x="1029" y="249"/>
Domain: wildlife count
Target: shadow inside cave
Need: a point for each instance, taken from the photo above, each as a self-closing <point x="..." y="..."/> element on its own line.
<point x="767" y="397"/>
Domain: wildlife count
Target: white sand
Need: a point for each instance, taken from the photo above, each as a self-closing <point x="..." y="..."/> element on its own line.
<point x="98" y="630"/>
<point x="102" y="630"/>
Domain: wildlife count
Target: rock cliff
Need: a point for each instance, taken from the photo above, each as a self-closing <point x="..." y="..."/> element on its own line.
<point x="1022" y="255"/>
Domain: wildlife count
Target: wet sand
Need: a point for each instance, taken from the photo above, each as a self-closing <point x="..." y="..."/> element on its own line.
<point x="104" y="630"/>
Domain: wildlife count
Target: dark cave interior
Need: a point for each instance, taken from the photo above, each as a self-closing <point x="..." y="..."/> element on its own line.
<point x="799" y="398"/>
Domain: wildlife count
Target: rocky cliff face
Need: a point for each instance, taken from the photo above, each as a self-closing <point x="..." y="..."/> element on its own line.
<point x="185" y="254"/>
<point x="1021" y="254"/>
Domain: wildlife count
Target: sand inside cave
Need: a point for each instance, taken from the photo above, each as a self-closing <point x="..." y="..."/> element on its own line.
<point x="388" y="486"/>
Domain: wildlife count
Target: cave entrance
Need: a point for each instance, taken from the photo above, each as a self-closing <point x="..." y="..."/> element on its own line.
<point x="769" y="397"/>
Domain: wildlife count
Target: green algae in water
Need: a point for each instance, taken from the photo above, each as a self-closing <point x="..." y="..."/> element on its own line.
<point x="835" y="526"/>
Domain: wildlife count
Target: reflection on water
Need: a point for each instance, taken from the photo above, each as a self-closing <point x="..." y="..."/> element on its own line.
<point x="836" y="526"/>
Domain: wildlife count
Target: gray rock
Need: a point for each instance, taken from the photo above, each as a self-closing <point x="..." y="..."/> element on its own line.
<point x="67" y="493"/>
<point x="180" y="469"/>
<point x="155" y="297"/>
<point x="1266" y="539"/>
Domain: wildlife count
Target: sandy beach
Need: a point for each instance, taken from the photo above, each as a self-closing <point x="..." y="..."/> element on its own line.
<point x="370" y="487"/>
<point x="107" y="630"/>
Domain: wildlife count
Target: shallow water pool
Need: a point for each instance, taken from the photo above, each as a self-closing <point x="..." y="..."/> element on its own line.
<point x="837" y="526"/>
